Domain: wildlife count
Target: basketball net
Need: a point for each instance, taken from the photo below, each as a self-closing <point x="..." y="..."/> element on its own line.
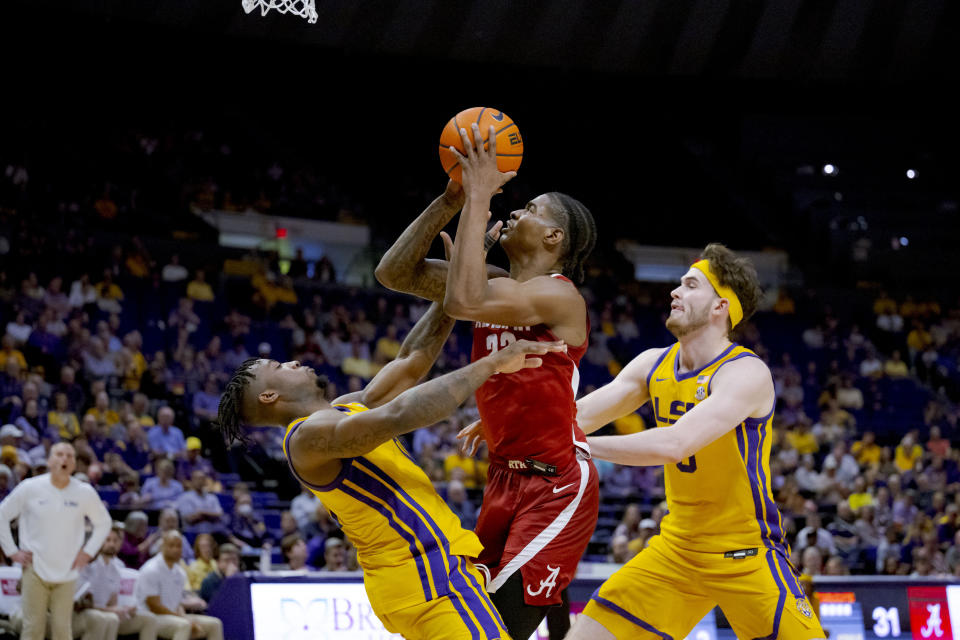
<point x="302" y="8"/>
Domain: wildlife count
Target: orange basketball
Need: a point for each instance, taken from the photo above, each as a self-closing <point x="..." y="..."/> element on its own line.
<point x="509" y="142"/>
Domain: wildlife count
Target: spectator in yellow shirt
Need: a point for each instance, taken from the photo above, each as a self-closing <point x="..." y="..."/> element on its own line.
<point x="866" y="450"/>
<point x="895" y="367"/>
<point x="107" y="289"/>
<point x="884" y="304"/>
<point x="62" y="420"/>
<point x="909" y="308"/>
<point x="907" y="453"/>
<point x="133" y="361"/>
<point x="860" y="496"/>
<point x="801" y="438"/>
<point x="9" y="350"/>
<point x="918" y="339"/>
<point x="784" y="304"/>
<point x="469" y="471"/>
<point x="388" y="346"/>
<point x="101" y="410"/>
<point x="199" y="289"/>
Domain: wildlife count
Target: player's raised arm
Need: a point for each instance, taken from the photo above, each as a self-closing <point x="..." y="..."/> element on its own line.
<point x="405" y="266"/>
<point x="742" y="389"/>
<point x="518" y="301"/>
<point x="622" y="396"/>
<point x="328" y="435"/>
<point x="417" y="354"/>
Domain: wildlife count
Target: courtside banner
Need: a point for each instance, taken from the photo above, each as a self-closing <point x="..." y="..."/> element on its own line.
<point x="314" y="611"/>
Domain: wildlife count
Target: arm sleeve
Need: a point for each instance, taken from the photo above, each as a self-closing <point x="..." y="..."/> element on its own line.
<point x="147" y="586"/>
<point x="10" y="509"/>
<point x="101" y="520"/>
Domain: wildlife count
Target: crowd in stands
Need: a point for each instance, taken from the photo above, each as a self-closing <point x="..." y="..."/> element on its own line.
<point x="121" y="344"/>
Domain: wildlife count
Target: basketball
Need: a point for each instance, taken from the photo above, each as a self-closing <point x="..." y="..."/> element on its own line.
<point x="509" y="142"/>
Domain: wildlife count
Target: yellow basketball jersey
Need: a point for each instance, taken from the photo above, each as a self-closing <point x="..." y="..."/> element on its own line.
<point x="408" y="541"/>
<point x="720" y="498"/>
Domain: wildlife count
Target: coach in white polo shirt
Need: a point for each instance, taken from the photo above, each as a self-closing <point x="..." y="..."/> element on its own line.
<point x="162" y="590"/>
<point x="52" y="508"/>
<point x="103" y="576"/>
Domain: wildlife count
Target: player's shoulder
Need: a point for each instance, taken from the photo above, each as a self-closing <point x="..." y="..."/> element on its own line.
<point x="745" y="366"/>
<point x="650" y="358"/>
<point x="554" y="282"/>
<point x="641" y="367"/>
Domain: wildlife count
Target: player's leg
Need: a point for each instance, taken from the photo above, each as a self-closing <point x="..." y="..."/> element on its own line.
<point x="447" y="618"/>
<point x="466" y="612"/>
<point x="558" y="618"/>
<point x="521" y="619"/>
<point x="762" y="597"/>
<point x="586" y="628"/>
<point x="656" y="594"/>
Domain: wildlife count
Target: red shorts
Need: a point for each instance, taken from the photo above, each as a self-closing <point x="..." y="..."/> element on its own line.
<point x="538" y="524"/>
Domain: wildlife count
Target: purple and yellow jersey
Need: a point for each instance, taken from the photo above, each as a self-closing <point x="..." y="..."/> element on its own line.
<point x="409" y="543"/>
<point x="720" y="498"/>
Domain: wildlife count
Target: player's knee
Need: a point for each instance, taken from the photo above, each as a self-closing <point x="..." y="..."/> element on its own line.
<point x="586" y="628"/>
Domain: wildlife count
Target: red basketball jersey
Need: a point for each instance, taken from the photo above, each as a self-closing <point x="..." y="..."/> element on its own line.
<point x="531" y="413"/>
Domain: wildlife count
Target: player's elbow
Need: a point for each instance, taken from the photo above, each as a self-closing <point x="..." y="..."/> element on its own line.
<point x="455" y="306"/>
<point x="674" y="449"/>
<point x="386" y="274"/>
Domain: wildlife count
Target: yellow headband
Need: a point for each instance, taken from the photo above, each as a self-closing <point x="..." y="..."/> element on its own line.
<point x="736" y="310"/>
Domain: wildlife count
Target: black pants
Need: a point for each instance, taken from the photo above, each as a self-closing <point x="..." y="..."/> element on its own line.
<point x="522" y="619"/>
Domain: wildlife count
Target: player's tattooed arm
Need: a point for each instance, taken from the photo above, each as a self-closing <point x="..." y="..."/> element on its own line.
<point x="417" y="354"/>
<point x="326" y="436"/>
<point x="405" y="266"/>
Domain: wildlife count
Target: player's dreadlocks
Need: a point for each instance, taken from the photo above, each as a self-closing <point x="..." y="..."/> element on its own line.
<point x="580" y="233"/>
<point x="230" y="410"/>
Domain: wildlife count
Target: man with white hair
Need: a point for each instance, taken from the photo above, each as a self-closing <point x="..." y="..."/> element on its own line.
<point x="162" y="590"/>
<point x="52" y="509"/>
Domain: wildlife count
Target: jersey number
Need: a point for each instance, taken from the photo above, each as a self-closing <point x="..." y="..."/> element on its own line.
<point x="689" y="466"/>
<point x="506" y="339"/>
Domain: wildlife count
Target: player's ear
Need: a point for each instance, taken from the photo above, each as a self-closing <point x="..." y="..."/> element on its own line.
<point x="268" y="396"/>
<point x="553" y="237"/>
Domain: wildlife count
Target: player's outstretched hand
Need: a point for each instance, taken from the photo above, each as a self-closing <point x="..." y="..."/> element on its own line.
<point x="518" y="355"/>
<point x="471" y="437"/>
<point x="480" y="173"/>
<point x="488" y="240"/>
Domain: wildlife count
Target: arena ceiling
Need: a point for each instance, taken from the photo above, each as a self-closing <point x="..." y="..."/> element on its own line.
<point x="856" y="40"/>
<point x="699" y="110"/>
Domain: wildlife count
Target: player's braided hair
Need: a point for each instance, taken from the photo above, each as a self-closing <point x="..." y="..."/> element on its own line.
<point x="735" y="272"/>
<point x="230" y="410"/>
<point x="580" y="233"/>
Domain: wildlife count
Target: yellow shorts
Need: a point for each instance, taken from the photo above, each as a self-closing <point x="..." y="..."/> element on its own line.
<point x="466" y="613"/>
<point x="664" y="591"/>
